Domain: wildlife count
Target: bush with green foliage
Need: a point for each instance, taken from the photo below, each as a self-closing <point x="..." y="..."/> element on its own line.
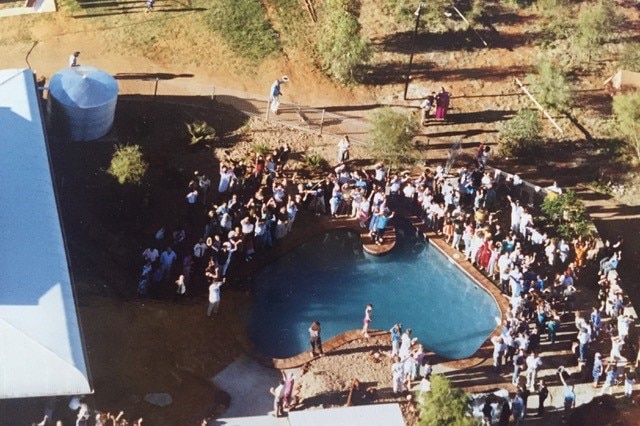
<point x="478" y="10"/>
<point x="261" y="148"/>
<point x="445" y="405"/>
<point x="341" y="48"/>
<point x="557" y="18"/>
<point x="520" y="136"/>
<point x="432" y="12"/>
<point x="242" y="23"/>
<point x="128" y="165"/>
<point x="315" y="161"/>
<point x="626" y="109"/>
<point x="567" y="215"/>
<point x="200" y="131"/>
<point x="392" y="135"/>
<point x="551" y="86"/>
<point x="630" y="57"/>
<point x="597" y="25"/>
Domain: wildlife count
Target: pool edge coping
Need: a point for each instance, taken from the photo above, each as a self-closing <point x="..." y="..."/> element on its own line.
<point x="483" y="353"/>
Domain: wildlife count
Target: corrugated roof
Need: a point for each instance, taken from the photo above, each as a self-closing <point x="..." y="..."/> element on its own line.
<point x="41" y="351"/>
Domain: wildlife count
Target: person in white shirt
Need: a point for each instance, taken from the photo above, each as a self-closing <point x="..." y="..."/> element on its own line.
<point x="214" y="297"/>
<point x="204" y="184"/>
<point x="199" y="249"/>
<point x="533" y="363"/>
<point x="405" y="344"/>
<point x="343" y="149"/>
<point x="73" y="59"/>
<point x="151" y="254"/>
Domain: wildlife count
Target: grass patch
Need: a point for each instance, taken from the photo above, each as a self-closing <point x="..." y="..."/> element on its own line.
<point x="243" y="25"/>
<point x="294" y="23"/>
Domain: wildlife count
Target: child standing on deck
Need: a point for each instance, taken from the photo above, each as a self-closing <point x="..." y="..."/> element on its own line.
<point x="366" y="321"/>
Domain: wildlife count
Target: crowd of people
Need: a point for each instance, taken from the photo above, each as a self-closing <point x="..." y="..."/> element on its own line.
<point x="488" y="217"/>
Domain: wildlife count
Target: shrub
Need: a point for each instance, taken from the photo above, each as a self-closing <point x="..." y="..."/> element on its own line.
<point x="200" y="131"/>
<point x="392" y="134"/>
<point x="520" y="135"/>
<point x="597" y="24"/>
<point x="551" y="85"/>
<point x="315" y="161"/>
<point x="404" y="11"/>
<point x="261" y="148"/>
<point x="630" y="57"/>
<point x="127" y="164"/>
<point x="567" y="214"/>
<point x="557" y="20"/>
<point x="445" y="405"/>
<point x="626" y="109"/>
<point x="341" y="48"/>
<point x="243" y="25"/>
<point x="477" y="11"/>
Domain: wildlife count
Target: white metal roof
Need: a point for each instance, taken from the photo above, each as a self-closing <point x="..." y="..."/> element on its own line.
<point x="362" y="415"/>
<point x="41" y="352"/>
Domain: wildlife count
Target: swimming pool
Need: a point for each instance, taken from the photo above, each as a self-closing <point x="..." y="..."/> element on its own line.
<point x="331" y="280"/>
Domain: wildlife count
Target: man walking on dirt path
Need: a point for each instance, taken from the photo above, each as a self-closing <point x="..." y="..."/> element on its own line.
<point x="274" y="94"/>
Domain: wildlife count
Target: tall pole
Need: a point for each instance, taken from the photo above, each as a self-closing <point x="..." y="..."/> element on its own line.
<point x="413" y="47"/>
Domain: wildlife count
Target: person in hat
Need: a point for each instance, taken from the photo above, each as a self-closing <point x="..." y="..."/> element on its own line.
<point x="274" y="94"/>
<point x="73" y="59"/>
<point x="150" y="4"/>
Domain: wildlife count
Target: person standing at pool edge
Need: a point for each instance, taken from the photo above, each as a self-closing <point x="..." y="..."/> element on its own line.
<point x="366" y="321"/>
<point x="314" y="338"/>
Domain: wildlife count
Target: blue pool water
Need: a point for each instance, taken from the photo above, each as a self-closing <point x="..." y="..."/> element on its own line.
<point x="331" y="280"/>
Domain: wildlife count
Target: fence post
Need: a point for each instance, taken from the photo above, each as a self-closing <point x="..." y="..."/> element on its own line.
<point x="213" y="93"/>
<point x="155" y="89"/>
<point x="266" y="117"/>
<point x="321" y="122"/>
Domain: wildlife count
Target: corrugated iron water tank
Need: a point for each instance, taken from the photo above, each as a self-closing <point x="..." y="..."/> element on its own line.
<point x="82" y="103"/>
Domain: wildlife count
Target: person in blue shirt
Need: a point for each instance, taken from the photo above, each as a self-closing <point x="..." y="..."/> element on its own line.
<point x="568" y="391"/>
<point x="517" y="408"/>
<point x="598" y="369"/>
<point x="275" y="92"/>
<point x="396" y="337"/>
<point x="381" y="224"/>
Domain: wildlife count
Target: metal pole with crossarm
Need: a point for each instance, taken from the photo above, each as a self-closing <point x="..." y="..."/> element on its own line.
<point x="418" y="12"/>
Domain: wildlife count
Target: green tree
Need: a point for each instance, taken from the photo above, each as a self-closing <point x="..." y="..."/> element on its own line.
<point x="626" y="109"/>
<point x="128" y="165"/>
<point x="520" y="135"/>
<point x="551" y="86"/>
<point x="597" y="23"/>
<point x="630" y="57"/>
<point x="392" y="134"/>
<point x="445" y="405"/>
<point x="567" y="215"/>
<point x="341" y="48"/>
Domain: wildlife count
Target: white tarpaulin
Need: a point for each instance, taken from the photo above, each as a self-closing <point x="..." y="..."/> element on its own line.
<point x="41" y="351"/>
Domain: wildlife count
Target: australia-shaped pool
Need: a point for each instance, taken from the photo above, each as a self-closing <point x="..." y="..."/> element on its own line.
<point x="329" y="279"/>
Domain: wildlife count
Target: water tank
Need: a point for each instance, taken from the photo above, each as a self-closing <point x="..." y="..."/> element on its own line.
<point x="82" y="103"/>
